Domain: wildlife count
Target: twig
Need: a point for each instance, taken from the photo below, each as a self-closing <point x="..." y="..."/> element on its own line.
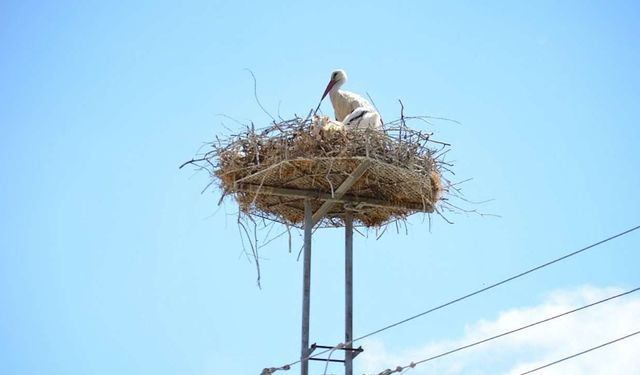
<point x="192" y="161"/>
<point x="255" y="94"/>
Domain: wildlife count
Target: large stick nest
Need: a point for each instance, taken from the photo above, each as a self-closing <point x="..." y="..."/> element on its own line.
<point x="271" y="171"/>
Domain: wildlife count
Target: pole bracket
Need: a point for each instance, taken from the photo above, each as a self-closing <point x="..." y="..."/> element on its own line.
<point x="354" y="352"/>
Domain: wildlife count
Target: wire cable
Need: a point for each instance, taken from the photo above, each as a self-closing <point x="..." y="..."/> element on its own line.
<point x="413" y="364"/>
<point x="498" y="283"/>
<point x="326" y="366"/>
<point x="581" y="353"/>
<point x="469" y="295"/>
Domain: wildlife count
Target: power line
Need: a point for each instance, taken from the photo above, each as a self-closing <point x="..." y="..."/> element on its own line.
<point x="469" y="295"/>
<point x="498" y="283"/>
<point x="582" y="352"/>
<point x="413" y="364"/>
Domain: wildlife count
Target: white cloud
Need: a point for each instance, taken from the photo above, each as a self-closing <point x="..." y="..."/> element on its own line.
<point x="536" y="346"/>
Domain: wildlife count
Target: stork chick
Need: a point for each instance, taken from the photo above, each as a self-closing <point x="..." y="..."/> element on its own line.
<point x="323" y="124"/>
<point x="362" y="118"/>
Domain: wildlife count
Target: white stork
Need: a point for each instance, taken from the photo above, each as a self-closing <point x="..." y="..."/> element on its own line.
<point x="352" y="109"/>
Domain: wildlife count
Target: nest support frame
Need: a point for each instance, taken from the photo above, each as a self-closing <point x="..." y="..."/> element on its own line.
<point x="371" y="190"/>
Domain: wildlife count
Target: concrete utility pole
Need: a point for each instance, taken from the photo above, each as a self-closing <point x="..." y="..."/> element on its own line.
<point x="348" y="292"/>
<point x="310" y="220"/>
<point x="348" y="288"/>
<point x="306" y="287"/>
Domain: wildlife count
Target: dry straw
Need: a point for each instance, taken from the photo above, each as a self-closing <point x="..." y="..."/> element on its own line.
<point x="271" y="171"/>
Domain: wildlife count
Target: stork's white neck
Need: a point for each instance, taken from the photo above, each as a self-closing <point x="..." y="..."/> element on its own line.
<point x="336" y="93"/>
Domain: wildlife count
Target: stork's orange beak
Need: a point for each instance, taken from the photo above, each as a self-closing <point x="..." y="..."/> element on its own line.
<point x="329" y="87"/>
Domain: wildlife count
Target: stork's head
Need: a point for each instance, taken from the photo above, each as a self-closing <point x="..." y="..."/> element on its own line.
<point x="338" y="78"/>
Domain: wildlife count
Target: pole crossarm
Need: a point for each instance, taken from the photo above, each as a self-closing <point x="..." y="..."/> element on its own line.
<point x="353" y="352"/>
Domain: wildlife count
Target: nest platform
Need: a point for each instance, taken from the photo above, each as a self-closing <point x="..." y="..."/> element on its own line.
<point x="378" y="175"/>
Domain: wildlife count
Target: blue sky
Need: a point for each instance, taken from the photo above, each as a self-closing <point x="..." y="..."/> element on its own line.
<point x="111" y="261"/>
